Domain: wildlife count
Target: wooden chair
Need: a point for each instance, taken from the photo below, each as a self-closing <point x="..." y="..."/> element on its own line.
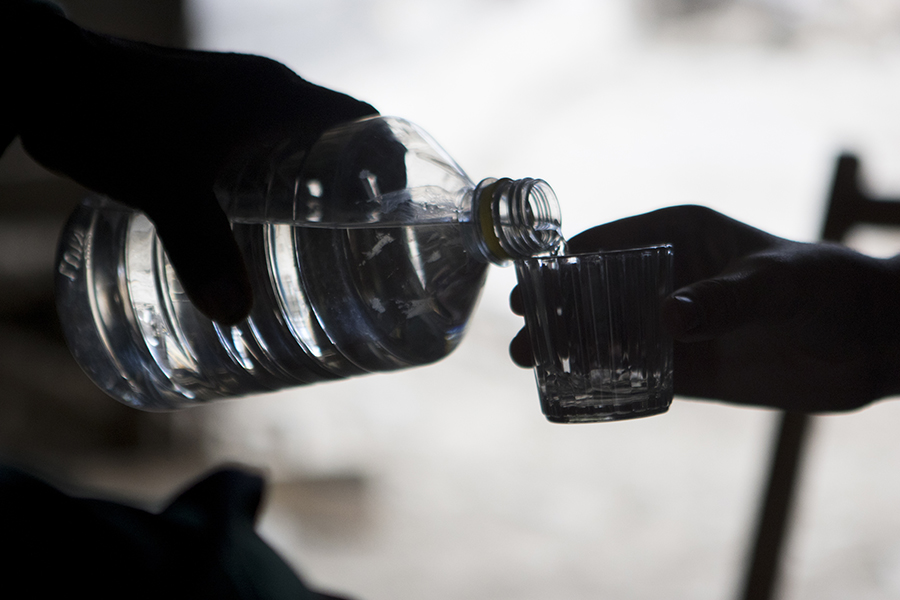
<point x="848" y="206"/>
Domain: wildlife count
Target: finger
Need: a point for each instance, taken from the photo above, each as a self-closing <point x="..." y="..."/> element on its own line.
<point x="516" y="302"/>
<point x="199" y="244"/>
<point x="685" y="226"/>
<point x="520" y="350"/>
<point x="664" y="226"/>
<point x="326" y="107"/>
<point x="713" y="307"/>
<point x="277" y="97"/>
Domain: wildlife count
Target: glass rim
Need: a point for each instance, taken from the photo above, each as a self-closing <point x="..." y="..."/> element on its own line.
<point x="599" y="253"/>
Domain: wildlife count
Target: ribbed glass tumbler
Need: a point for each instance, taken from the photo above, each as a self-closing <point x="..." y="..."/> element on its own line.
<point x="594" y="323"/>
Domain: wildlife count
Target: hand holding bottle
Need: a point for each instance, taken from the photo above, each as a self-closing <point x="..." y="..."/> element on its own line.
<point x="153" y="127"/>
<point x="763" y="320"/>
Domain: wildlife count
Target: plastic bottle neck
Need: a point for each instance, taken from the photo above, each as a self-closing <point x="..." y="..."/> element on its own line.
<point x="515" y="219"/>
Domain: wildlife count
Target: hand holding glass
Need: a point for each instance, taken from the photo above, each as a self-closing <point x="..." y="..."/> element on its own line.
<point x="600" y="353"/>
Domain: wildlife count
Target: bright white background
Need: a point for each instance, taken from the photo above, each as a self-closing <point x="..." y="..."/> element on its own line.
<point x="462" y="490"/>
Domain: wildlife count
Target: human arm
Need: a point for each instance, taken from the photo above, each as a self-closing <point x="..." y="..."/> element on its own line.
<point x="154" y="128"/>
<point x="762" y="320"/>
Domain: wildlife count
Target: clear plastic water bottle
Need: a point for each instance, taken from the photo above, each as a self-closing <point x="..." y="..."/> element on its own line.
<point x="366" y="254"/>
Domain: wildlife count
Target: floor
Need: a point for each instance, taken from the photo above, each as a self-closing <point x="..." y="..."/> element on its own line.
<point x="446" y="482"/>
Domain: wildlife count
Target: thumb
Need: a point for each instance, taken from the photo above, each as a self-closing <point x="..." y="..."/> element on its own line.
<point x="201" y="248"/>
<point x="713" y="307"/>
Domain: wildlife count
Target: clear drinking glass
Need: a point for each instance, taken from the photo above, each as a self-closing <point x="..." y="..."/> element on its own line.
<point x="600" y="352"/>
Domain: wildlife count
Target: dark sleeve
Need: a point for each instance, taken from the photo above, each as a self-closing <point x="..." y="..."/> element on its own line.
<point x="202" y="546"/>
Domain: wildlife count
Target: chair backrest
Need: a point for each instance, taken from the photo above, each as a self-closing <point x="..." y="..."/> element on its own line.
<point x="850" y="205"/>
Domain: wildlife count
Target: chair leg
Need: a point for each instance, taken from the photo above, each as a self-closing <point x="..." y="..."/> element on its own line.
<point x="762" y="574"/>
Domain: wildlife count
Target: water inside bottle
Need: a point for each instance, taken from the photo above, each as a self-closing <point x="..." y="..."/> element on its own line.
<point x="328" y="304"/>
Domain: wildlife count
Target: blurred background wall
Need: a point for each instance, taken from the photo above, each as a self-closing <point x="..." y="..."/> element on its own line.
<point x="445" y="481"/>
